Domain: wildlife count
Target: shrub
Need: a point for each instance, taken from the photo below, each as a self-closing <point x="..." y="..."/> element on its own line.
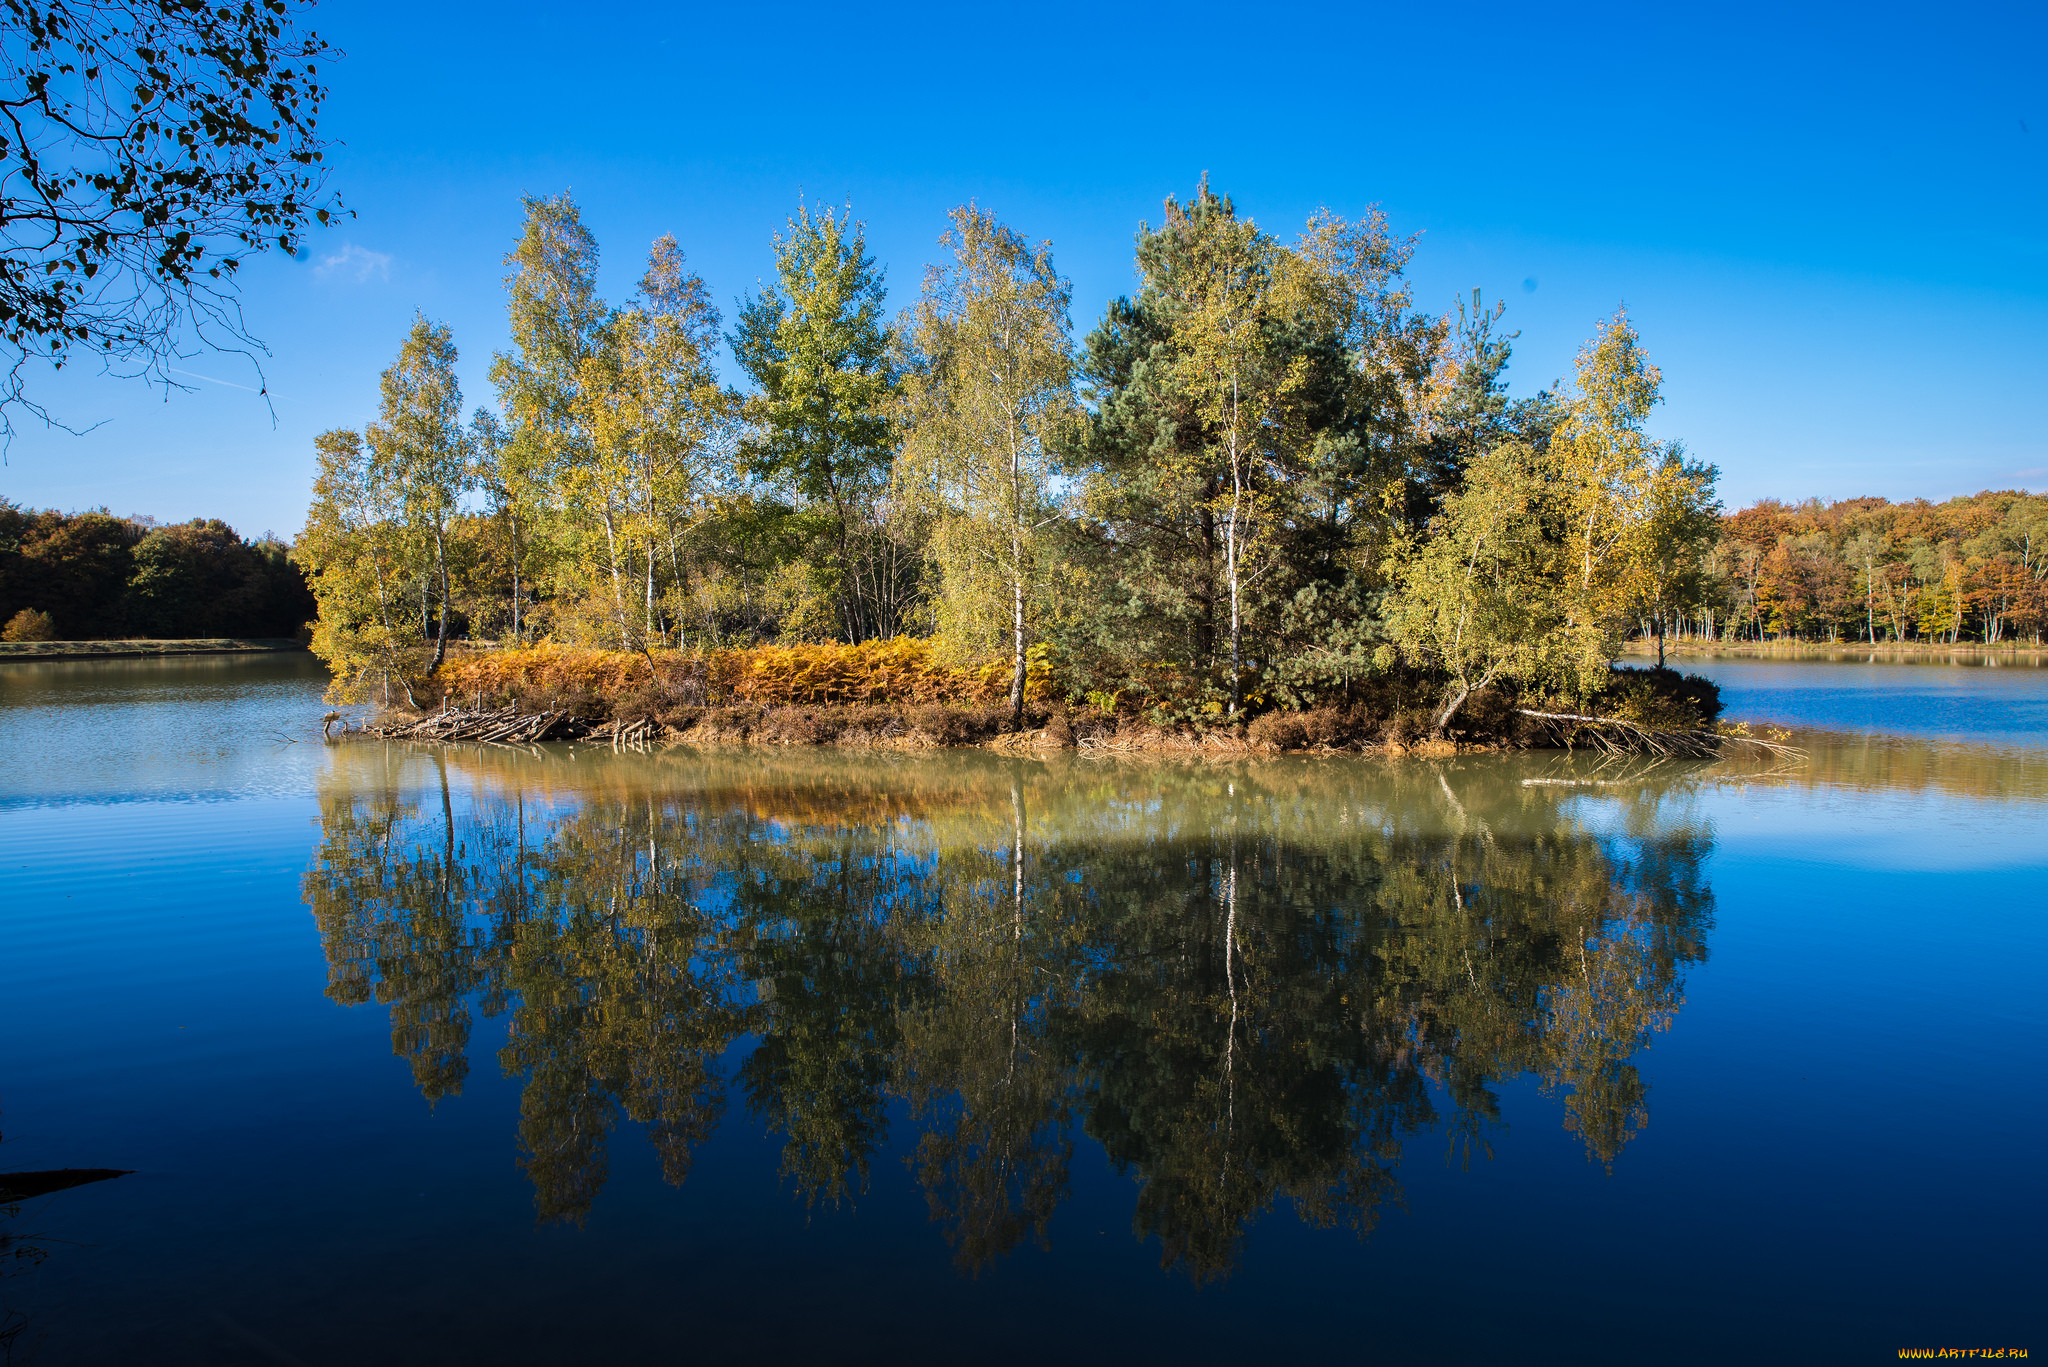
<point x="1661" y="699"/>
<point x="29" y="625"/>
<point x="943" y="724"/>
<point x="902" y="670"/>
<point x="1281" y="730"/>
<point x="1405" y="728"/>
<point x="1337" y="727"/>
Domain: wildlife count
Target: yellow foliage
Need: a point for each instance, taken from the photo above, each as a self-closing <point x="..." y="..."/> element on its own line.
<point x="902" y="670"/>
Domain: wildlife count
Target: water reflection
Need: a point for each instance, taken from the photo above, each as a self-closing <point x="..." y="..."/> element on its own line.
<point x="1249" y="985"/>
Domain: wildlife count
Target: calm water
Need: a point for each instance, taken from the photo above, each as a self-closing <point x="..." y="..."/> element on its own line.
<point x="564" y="1056"/>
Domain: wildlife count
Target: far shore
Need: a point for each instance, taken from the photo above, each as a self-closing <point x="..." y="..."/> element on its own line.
<point x="1693" y="648"/>
<point x="76" y="650"/>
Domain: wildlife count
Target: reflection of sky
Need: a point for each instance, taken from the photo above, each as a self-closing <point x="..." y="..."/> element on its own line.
<point x="1999" y="702"/>
<point x="1860" y="829"/>
<point x="163" y="730"/>
<point x="1842" y="1139"/>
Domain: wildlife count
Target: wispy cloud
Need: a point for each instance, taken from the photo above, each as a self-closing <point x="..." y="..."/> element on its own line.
<point x="355" y="264"/>
<point x="195" y="375"/>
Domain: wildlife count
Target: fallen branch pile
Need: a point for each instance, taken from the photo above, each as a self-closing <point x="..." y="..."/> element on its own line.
<point x="624" y="733"/>
<point x="504" y="726"/>
<point x="1614" y="736"/>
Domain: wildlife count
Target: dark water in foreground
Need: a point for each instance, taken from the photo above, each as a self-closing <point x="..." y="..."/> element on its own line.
<point x="491" y="1056"/>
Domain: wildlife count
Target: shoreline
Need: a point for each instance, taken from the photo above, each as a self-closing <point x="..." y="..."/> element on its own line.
<point x="927" y="727"/>
<point x="142" y="649"/>
<point x="1166" y="745"/>
<point x="1897" y="650"/>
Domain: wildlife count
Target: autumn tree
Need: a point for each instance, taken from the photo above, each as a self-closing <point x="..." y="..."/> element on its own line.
<point x="419" y="437"/>
<point x="1185" y="448"/>
<point x="1630" y="508"/>
<point x="1222" y="311"/>
<point x="653" y="410"/>
<point x="1478" y="599"/>
<point x="982" y="405"/>
<point x="353" y="550"/>
<point x="556" y="320"/>
<point x="1534" y="569"/>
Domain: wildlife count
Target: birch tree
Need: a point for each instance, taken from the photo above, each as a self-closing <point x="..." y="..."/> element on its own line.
<point x="1607" y="471"/>
<point x="1224" y="309"/>
<point x="1478" y="597"/>
<point x="652" y="409"/>
<point x="992" y="385"/>
<point x="420" y="438"/>
<point x="556" y="320"/>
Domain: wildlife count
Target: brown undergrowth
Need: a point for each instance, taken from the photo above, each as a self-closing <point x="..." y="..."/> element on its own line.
<point x="918" y="726"/>
<point x="898" y="695"/>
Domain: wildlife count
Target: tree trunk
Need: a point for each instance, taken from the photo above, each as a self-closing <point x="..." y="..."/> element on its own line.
<point x="611" y="540"/>
<point x="1017" y="639"/>
<point x="650" y="591"/>
<point x="1450" y="710"/>
<point x="441" y="635"/>
<point x="1017" y="666"/>
<point x="518" y="637"/>
<point x="1230" y="550"/>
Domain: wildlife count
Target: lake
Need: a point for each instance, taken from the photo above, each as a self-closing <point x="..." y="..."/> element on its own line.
<point x="562" y="1055"/>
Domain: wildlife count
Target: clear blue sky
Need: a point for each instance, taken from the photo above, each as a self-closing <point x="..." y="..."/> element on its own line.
<point x="1830" y="224"/>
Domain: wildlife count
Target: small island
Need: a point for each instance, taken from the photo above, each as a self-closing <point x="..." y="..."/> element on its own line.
<point x="1266" y="503"/>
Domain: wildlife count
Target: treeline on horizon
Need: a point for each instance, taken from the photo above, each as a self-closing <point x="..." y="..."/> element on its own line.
<point x="1862" y="569"/>
<point x="93" y="576"/>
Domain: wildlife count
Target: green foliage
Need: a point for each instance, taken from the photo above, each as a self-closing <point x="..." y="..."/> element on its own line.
<point x="97" y="577"/>
<point x="818" y="428"/>
<point x="363" y="564"/>
<point x="814" y="343"/>
<point x="1285" y="482"/>
<point x="199" y="579"/>
<point x="987" y="395"/>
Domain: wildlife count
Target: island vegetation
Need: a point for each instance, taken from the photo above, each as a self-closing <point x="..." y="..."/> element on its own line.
<point x="1265" y="483"/>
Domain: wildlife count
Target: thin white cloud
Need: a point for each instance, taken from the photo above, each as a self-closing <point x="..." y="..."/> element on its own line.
<point x="355" y="264"/>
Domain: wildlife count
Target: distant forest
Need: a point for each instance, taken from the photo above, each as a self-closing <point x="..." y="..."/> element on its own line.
<point x="92" y="576"/>
<point x="1969" y="569"/>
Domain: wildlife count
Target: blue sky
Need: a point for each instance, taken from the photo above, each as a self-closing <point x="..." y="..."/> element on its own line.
<point x="1830" y="223"/>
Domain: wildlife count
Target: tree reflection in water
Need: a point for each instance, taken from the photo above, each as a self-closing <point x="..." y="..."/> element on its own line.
<point x="1246" y="983"/>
